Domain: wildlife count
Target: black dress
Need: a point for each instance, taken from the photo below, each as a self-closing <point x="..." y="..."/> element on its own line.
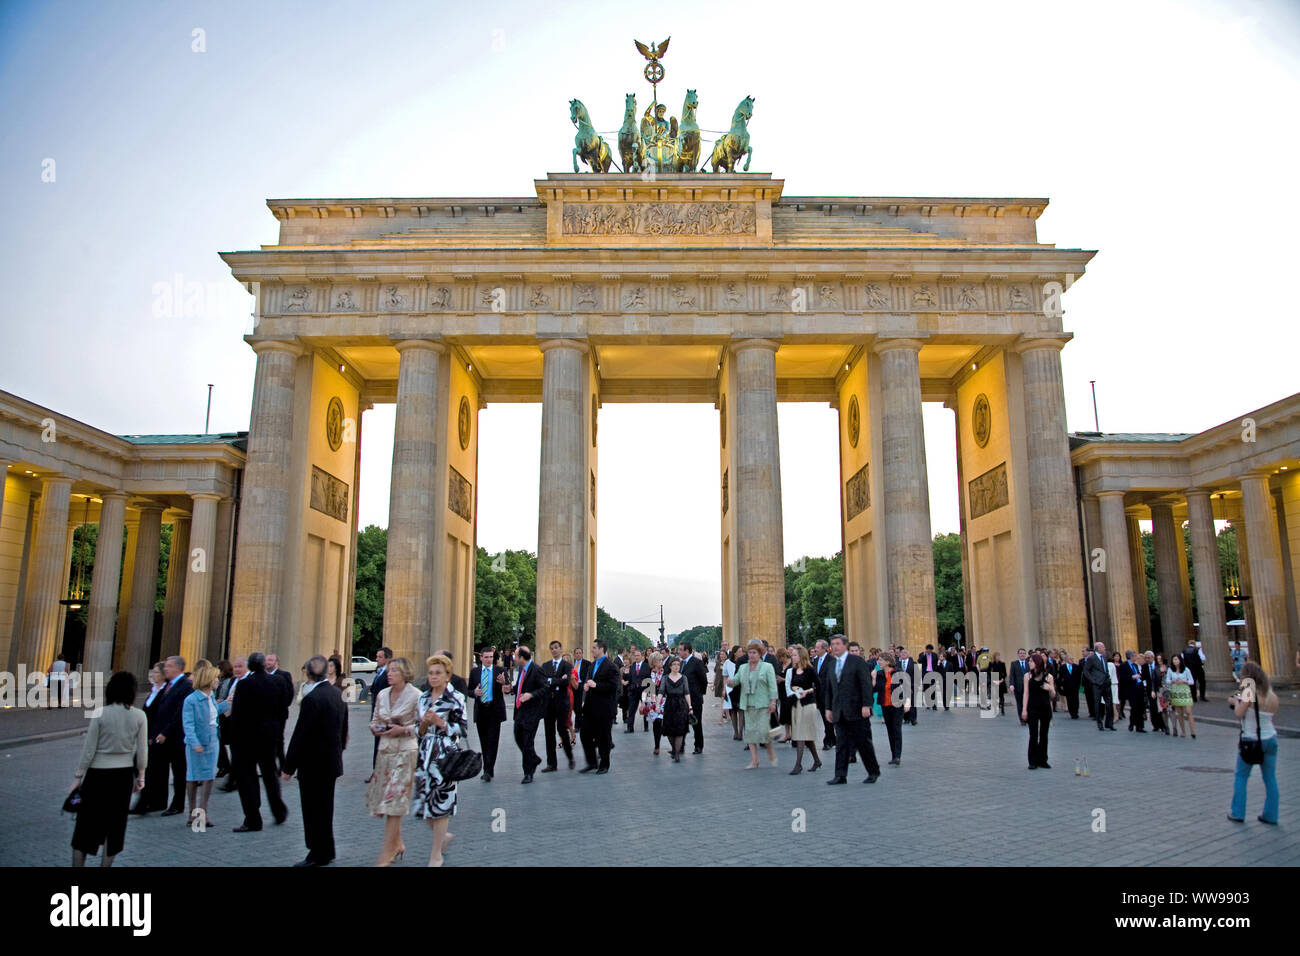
<point x="786" y="700"/>
<point x="676" y="706"/>
<point x="1039" y="709"/>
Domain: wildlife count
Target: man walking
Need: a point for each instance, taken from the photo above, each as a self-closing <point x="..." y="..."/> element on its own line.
<point x="284" y="680"/>
<point x="254" y="717"/>
<point x="1096" y="675"/>
<point x="169" y="735"/>
<point x="636" y="673"/>
<point x="1019" y="668"/>
<point x="316" y="754"/>
<point x="488" y="682"/>
<point x="697" y="682"/>
<point x="530" y="704"/>
<point x="849" y="709"/>
<point x="1137" y="693"/>
<point x="930" y="663"/>
<point x="556" y="671"/>
<point x="600" y="691"/>
<point x="821" y="665"/>
<point x="1071" y="677"/>
<point x="382" y="657"/>
<point x="907" y="667"/>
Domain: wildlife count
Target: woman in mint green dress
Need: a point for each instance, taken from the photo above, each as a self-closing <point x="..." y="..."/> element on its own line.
<point x="758" y="696"/>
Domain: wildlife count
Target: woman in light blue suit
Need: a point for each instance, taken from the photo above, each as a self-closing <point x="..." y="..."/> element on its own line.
<point x="199" y="718"/>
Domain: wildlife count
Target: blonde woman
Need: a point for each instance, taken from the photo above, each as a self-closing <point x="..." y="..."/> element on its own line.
<point x="394" y="723"/>
<point x="1255" y="704"/>
<point x="757" y="683"/>
<point x="199" y="719"/>
<point x="806" y="722"/>
<point x="443" y="730"/>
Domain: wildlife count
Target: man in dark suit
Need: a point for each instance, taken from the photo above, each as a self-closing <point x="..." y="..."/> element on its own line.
<point x="1088" y="693"/>
<point x="1151" y="685"/>
<point x="1096" y="674"/>
<point x="636" y="673"/>
<point x="254" y="717"/>
<point x="930" y="663"/>
<point x="907" y="666"/>
<point x="382" y="657"/>
<point x="488" y="683"/>
<point x="285" y="681"/>
<point x="848" y="707"/>
<point x="820" y="663"/>
<point x="1071" y="676"/>
<point x="600" y="693"/>
<point x="1193" y="661"/>
<point x="556" y="671"/>
<point x="316" y="754"/>
<point x="1019" y="668"/>
<point x="1137" y="693"/>
<point x="697" y="682"/>
<point x="530" y="704"/>
<point x="169" y="735"/>
<point x="577" y="679"/>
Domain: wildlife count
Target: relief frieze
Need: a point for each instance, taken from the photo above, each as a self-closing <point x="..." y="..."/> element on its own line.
<point x="660" y="219"/>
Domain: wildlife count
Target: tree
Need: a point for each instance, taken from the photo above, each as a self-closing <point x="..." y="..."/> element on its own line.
<point x="949" y="598"/>
<point x="505" y="599"/>
<point x="703" y="637"/>
<point x="814" y="591"/>
<point x="368" y="600"/>
<point x="619" y="637"/>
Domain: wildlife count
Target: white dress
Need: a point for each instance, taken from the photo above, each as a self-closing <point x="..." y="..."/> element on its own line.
<point x="728" y="672"/>
<point x="1114" y="682"/>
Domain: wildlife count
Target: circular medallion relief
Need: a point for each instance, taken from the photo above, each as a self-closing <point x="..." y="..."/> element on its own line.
<point x="722" y="418"/>
<point x="981" y="420"/>
<point x="855" y="421"/>
<point x="463" y="422"/>
<point x="334" y="423"/>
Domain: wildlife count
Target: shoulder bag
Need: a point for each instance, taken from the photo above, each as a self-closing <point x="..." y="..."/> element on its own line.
<point x="1252" y="751"/>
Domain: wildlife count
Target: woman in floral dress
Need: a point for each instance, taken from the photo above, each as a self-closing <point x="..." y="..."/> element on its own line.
<point x="389" y="794"/>
<point x="442" y="731"/>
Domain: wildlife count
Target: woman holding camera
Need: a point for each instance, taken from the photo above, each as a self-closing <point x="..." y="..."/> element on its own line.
<point x="1255" y="704"/>
<point x="394" y="723"/>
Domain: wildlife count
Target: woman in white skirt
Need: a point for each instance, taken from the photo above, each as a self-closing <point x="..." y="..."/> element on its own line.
<point x="805" y="723"/>
<point x="727" y="670"/>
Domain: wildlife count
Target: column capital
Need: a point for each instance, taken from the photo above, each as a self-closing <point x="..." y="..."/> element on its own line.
<point x="1110" y="494"/>
<point x="115" y="495"/>
<point x="205" y="496"/>
<point x="1031" y="343"/>
<point x="290" y="346"/>
<point x="578" y="345"/>
<point x="1197" y="493"/>
<point x="740" y="345"/>
<point x="432" y="343"/>
<point x="1259" y="474"/>
<point x="149" y="505"/>
<point x="56" y="480"/>
<point x="892" y="343"/>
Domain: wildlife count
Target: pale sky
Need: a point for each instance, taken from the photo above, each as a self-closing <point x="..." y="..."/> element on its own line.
<point x="1164" y="135"/>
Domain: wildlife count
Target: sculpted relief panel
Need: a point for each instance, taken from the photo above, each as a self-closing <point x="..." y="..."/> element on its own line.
<point x="660" y="219"/>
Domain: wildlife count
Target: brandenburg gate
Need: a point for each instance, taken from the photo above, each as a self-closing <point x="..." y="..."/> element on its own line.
<point x="657" y="286"/>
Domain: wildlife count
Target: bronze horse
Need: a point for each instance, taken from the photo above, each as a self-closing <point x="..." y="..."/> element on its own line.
<point x="688" y="136"/>
<point x="593" y="150"/>
<point x="735" y="143"/>
<point x="630" y="145"/>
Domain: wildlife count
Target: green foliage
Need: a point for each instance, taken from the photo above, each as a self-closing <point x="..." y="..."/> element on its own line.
<point x="1149" y="559"/>
<point x="619" y="637"/>
<point x="814" y="590"/>
<point x="949" y="598"/>
<point x="505" y="599"/>
<point x="703" y="637"/>
<point x="368" y="601"/>
<point x="164" y="556"/>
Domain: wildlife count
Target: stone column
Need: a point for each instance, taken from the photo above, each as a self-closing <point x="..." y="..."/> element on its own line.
<point x="1169" y="585"/>
<point x="101" y="619"/>
<point x="1057" y="573"/>
<point x="1138" y="562"/>
<point x="1098" y="582"/>
<point x="264" y="501"/>
<point x="906" y="508"/>
<point x="124" y="590"/>
<point x="220" y="568"/>
<point x="756" y="494"/>
<point x="46" y="575"/>
<point x="1266" y="580"/>
<point x="562" y="498"/>
<point x="1246" y="608"/>
<point x="144" y="590"/>
<point x="1119" y="573"/>
<point x="412" y="550"/>
<point x="200" y="568"/>
<point x="1209" y="585"/>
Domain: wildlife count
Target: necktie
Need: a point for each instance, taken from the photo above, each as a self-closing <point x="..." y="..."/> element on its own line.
<point x="486" y="683"/>
<point x="839" y="666"/>
<point x="520" y="689"/>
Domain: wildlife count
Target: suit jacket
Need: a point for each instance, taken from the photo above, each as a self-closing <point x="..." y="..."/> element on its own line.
<point x="1070" y="677"/>
<point x="254" y="714"/>
<point x="286" y="692"/>
<point x="320" y="736"/>
<point x="697" y="677"/>
<point x="376" y="685"/>
<point x="579" y="671"/>
<point x="168" y="719"/>
<point x="556" y="674"/>
<point x="635" y="675"/>
<point x="1018" y="671"/>
<point x="496" y="709"/>
<point x="1151" y="677"/>
<point x="1127" y="684"/>
<point x="533" y="682"/>
<point x="847" y="696"/>
<point x="823" y="692"/>
<point x="935" y="660"/>
<point x="599" y="700"/>
<point x="1095" y="672"/>
<point x="911" y="684"/>
<point x="195" y="717"/>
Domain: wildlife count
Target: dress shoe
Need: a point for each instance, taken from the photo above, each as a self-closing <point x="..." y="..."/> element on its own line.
<point x="244" y="828"/>
<point x="629" y="731"/>
<point x="571" y="763"/>
<point x="588" y="769"/>
<point x="308" y="861"/>
<point x="894" y="762"/>
<point x="603" y="770"/>
<point x="1236" y="819"/>
<point x="228" y="788"/>
<point x="528" y="778"/>
<point x="698" y="750"/>
<point x="137" y="812"/>
<point x="1271" y="823"/>
<point x="281" y="818"/>
<point x="548" y="770"/>
<point x="172" y="811"/>
<point x="486" y="778"/>
<point x="872" y="778"/>
<point x="1045" y="766"/>
<point x="835" y="780"/>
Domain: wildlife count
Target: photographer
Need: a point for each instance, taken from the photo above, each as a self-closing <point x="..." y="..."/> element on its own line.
<point x="1255" y="704"/>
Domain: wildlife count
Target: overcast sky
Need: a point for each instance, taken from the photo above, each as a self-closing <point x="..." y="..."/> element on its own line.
<point x="1164" y="135"/>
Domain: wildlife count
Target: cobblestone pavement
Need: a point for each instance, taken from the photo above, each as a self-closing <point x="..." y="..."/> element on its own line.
<point x="1163" y="802"/>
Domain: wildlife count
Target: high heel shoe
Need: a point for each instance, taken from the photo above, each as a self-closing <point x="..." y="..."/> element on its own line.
<point x="815" y="767"/>
<point x="797" y="769"/>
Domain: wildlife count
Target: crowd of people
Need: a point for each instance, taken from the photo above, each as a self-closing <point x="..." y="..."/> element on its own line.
<point x="228" y="720"/>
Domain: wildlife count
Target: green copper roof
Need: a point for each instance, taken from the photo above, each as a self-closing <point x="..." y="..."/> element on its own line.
<point x="237" y="439"/>
<point x="1142" y="438"/>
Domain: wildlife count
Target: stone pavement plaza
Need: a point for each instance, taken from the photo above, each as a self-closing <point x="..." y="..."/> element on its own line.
<point x="963" y="779"/>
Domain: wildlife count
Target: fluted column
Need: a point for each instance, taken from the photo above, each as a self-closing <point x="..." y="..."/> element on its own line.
<point x="174" y="597"/>
<point x="408" y="593"/>
<point x="264" y="501"/>
<point x="124" y="590"/>
<point x="1057" y="572"/>
<point x="1169" y="585"/>
<point x="220" y="590"/>
<point x="908" y="547"/>
<point x="1138" y="564"/>
<point x="756" y="494"/>
<point x="1209" y="585"/>
<point x="199" y="571"/>
<point x="1097" y="583"/>
<point x="562" y="496"/>
<point x="1119" y="572"/>
<point x="144" y="590"/>
<point x="46" y="575"/>
<point x="101" y="619"/>
<point x="1273" y="650"/>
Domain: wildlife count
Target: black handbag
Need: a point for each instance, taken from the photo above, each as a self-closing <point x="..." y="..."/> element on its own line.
<point x="72" y="802"/>
<point x="460" y="765"/>
<point x="1252" y="751"/>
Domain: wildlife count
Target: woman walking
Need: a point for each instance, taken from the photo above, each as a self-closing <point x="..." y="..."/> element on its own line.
<point x="676" y="707"/>
<point x="757" y="684"/>
<point x="394" y="723"/>
<point x="112" y="766"/>
<point x="1037" y="709"/>
<point x="720" y="684"/>
<point x="442" y="730"/>
<point x="199" y="719"/>
<point x="1255" y="704"/>
<point x="805" y="721"/>
<point x="737" y="715"/>
<point x="1179" y="680"/>
<point x="998" y="670"/>
<point x="652" y="698"/>
<point x="784" y="701"/>
<point x="1112" y="669"/>
<point x="154" y="795"/>
<point x="893" y="705"/>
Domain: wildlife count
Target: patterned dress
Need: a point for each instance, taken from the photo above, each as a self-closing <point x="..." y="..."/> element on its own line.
<point x="435" y="797"/>
<point x="389" y="794"/>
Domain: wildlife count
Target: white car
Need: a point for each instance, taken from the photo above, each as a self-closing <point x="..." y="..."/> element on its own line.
<point x="363" y="665"/>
